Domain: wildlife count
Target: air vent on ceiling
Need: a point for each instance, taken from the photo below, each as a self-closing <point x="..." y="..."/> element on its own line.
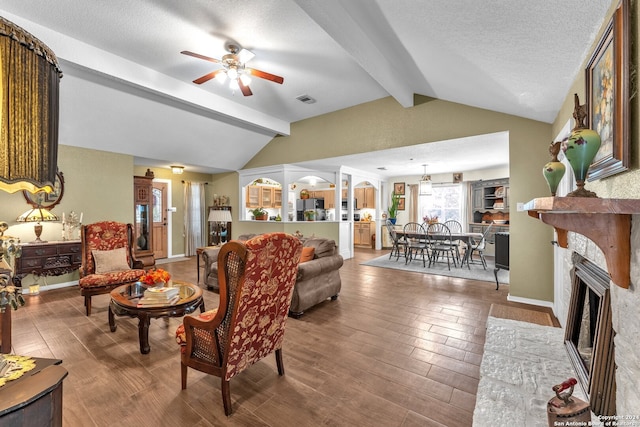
<point x="306" y="99"/>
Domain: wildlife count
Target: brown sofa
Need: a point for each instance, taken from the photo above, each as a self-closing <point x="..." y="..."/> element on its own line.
<point x="318" y="279"/>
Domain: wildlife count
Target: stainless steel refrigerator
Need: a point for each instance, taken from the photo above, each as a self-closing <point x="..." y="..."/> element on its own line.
<point x="316" y="205"/>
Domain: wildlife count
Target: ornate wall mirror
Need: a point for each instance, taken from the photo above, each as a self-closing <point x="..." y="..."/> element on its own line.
<point x="45" y="200"/>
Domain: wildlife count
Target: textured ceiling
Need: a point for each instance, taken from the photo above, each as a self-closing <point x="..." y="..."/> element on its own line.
<point x="126" y="79"/>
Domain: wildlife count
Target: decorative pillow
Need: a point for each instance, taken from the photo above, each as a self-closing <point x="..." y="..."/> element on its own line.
<point x="324" y="247"/>
<point x="307" y="254"/>
<point x="110" y="261"/>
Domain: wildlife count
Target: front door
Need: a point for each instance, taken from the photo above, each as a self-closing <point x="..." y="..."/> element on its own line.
<point x="160" y="235"/>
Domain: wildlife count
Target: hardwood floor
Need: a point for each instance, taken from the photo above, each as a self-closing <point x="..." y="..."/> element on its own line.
<point x="395" y="349"/>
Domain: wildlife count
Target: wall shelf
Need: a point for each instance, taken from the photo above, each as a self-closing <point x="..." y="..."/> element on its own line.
<point x="607" y="222"/>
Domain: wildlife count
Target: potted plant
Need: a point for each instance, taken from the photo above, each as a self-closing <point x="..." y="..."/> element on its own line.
<point x="304" y="194"/>
<point x="310" y="214"/>
<point x="260" y="214"/>
<point x="393" y="207"/>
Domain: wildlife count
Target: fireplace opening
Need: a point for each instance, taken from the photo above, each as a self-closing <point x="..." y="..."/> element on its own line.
<point x="589" y="334"/>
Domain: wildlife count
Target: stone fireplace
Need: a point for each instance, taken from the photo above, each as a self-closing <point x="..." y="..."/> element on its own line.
<point x="625" y="316"/>
<point x="589" y="334"/>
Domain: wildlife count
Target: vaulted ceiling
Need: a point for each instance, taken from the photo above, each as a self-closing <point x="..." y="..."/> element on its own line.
<point x="128" y="89"/>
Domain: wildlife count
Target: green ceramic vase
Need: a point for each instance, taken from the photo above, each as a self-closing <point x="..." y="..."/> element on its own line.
<point x="581" y="148"/>
<point x="553" y="173"/>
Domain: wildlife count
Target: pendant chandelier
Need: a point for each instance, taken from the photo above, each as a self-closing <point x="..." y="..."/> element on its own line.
<point x="426" y="188"/>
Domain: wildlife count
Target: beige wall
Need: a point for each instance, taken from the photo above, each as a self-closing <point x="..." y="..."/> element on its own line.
<point x="385" y="124"/>
<point x="177" y="200"/>
<point x="100" y="185"/>
<point x="625" y="185"/>
<point x="97" y="183"/>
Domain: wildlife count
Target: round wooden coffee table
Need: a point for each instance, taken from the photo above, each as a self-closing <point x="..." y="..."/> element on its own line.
<point x="124" y="302"/>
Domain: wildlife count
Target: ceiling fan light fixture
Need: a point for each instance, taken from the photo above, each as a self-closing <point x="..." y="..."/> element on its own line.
<point x="232" y="73"/>
<point x="246" y="80"/>
<point x="221" y="77"/>
<point x="233" y="84"/>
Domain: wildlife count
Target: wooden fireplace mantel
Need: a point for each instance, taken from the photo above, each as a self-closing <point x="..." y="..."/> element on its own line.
<point x="607" y="222"/>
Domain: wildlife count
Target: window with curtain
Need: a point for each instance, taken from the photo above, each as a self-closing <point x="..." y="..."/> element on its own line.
<point x="194" y="217"/>
<point x="447" y="202"/>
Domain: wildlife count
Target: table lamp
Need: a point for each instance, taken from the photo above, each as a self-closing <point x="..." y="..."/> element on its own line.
<point x="37" y="214"/>
<point x="219" y="217"/>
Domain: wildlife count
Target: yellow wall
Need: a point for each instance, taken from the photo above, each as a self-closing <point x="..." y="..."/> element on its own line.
<point x="177" y="199"/>
<point x="385" y="124"/>
<point x="625" y="185"/>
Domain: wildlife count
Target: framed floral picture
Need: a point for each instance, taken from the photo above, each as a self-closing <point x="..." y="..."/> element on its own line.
<point x="607" y="87"/>
<point x="401" y="204"/>
<point x="398" y="188"/>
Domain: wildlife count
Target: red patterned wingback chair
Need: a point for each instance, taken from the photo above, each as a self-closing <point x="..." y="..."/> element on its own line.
<point x="107" y="259"/>
<point x="256" y="280"/>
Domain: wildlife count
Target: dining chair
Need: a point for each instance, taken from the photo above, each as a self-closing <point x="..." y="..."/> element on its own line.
<point x="256" y="280"/>
<point x="398" y="243"/>
<point x="478" y="246"/>
<point x="416" y="242"/>
<point x="456" y="228"/>
<point x="440" y="243"/>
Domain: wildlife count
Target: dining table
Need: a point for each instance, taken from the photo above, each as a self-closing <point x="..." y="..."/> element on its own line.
<point x="467" y="238"/>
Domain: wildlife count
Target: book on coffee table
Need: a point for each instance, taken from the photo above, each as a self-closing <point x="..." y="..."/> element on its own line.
<point x="154" y="302"/>
<point x="161" y="294"/>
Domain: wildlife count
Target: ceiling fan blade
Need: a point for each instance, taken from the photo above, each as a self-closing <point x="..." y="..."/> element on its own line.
<point x="208" y="77"/>
<point x="264" y="75"/>
<point x="244" y="88"/>
<point x="245" y="55"/>
<point x="197" y="55"/>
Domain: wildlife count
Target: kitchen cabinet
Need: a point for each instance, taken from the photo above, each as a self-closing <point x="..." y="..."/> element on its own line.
<point x="489" y="203"/>
<point x="362" y="232"/>
<point x="366" y="197"/>
<point x="329" y="199"/>
<point x="253" y="196"/>
<point x="277" y="197"/>
<point x="263" y="196"/>
<point x="266" y="197"/>
<point x="491" y="195"/>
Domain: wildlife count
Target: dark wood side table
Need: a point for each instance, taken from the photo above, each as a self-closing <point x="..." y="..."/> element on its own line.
<point x="47" y="259"/>
<point x="34" y="399"/>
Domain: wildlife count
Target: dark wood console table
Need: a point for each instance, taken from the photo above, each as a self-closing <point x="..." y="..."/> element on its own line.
<point x="34" y="399"/>
<point x="47" y="259"/>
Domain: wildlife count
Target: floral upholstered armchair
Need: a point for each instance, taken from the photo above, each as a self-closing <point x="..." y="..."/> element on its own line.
<point x="107" y="259"/>
<point x="255" y="294"/>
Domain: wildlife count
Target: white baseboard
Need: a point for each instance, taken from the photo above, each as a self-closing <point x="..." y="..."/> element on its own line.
<point x="530" y="301"/>
<point x="26" y="291"/>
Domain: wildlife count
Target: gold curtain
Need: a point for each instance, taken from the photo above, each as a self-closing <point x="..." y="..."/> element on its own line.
<point x="29" y="97"/>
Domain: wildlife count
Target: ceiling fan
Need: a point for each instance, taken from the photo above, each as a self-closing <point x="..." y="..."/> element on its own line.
<point x="234" y="69"/>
